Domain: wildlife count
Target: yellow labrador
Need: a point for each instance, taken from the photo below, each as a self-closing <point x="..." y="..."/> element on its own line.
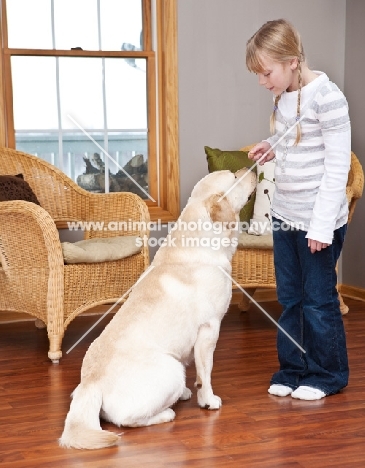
<point x="135" y="370"/>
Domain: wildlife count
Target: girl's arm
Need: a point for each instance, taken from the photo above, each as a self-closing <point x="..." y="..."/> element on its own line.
<point x="333" y="117"/>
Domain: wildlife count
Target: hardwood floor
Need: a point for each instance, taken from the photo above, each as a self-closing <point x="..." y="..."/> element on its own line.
<point x="252" y="429"/>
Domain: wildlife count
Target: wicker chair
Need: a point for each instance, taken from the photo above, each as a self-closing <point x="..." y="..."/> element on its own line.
<point x="253" y="268"/>
<point x="33" y="276"/>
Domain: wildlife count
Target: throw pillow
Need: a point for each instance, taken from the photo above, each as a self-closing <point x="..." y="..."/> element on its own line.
<point x="101" y="249"/>
<point x="14" y="187"/>
<point x="261" y="220"/>
<point x="219" y="160"/>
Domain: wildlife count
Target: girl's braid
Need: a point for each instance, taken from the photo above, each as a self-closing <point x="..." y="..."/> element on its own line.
<point x="299" y="133"/>
<point x="272" y="117"/>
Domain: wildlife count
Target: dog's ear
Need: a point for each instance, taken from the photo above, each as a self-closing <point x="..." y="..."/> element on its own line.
<point x="220" y="209"/>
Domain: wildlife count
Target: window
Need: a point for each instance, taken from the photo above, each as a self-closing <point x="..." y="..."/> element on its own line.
<point x="86" y="88"/>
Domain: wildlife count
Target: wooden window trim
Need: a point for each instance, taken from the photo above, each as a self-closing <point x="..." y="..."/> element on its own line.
<point x="167" y="170"/>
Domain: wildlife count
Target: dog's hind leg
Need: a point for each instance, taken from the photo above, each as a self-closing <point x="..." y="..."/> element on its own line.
<point x="166" y="415"/>
<point x="144" y="392"/>
<point x="203" y="352"/>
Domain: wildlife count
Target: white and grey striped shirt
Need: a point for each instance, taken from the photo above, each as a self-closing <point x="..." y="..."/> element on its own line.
<point x="310" y="178"/>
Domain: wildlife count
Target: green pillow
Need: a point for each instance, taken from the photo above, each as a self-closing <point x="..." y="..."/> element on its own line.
<point x="219" y="160"/>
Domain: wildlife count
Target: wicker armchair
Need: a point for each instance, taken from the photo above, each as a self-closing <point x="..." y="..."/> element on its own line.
<point x="33" y="276"/>
<point x="253" y="268"/>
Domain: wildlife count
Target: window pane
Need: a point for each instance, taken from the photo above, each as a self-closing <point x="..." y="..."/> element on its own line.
<point x="78" y="159"/>
<point x="29" y="24"/>
<point x="125" y="84"/>
<point x="81" y="92"/>
<point x="65" y="115"/>
<point x="121" y="24"/>
<point x="42" y="144"/>
<point x="129" y="155"/>
<point x="76" y="24"/>
<point x="86" y="163"/>
<point x="107" y="159"/>
<point x="34" y="93"/>
<point x="89" y="24"/>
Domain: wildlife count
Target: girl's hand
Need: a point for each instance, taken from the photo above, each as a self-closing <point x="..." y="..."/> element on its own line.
<point x="259" y="150"/>
<point x="316" y="246"/>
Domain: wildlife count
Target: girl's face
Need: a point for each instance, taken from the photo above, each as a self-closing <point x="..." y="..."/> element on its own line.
<point x="278" y="76"/>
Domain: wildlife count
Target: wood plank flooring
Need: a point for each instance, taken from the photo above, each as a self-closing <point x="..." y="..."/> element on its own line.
<point x="252" y="429"/>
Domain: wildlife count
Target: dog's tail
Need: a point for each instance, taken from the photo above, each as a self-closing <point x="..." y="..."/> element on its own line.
<point x="82" y="426"/>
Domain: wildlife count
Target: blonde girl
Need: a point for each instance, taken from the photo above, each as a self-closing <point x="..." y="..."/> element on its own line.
<point x="311" y="146"/>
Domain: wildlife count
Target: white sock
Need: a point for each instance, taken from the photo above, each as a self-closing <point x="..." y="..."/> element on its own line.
<point x="308" y="393"/>
<point x="280" y="390"/>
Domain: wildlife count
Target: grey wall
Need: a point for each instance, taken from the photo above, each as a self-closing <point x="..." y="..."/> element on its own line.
<point x="221" y="104"/>
<point x="353" y="270"/>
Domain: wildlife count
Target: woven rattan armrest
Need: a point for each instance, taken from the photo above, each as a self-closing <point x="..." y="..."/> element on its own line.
<point x="32" y="262"/>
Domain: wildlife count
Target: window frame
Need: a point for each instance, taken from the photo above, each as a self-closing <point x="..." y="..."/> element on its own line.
<point x="162" y="90"/>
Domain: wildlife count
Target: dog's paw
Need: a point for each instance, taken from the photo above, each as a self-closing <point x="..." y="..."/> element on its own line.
<point x="167" y="415"/>
<point x="164" y="416"/>
<point x="212" y="402"/>
<point x="186" y="394"/>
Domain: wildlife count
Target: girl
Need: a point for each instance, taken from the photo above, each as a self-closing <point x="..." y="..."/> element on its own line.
<point x="309" y="210"/>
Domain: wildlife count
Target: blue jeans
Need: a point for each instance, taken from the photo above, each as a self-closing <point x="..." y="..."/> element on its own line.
<point x="306" y="288"/>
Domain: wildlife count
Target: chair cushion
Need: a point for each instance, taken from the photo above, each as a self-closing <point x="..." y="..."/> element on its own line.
<point x="101" y="249"/>
<point x="250" y="241"/>
<point x="14" y="187"/>
<point x="219" y="160"/>
<point x="261" y="219"/>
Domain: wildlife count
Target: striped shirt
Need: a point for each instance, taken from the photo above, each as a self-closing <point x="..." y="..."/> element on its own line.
<point x="311" y="178"/>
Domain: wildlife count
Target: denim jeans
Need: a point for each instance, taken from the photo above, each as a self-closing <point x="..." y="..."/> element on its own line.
<point x="306" y="288"/>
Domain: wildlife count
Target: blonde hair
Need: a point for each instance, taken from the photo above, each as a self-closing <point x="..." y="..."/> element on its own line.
<point x="279" y="41"/>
